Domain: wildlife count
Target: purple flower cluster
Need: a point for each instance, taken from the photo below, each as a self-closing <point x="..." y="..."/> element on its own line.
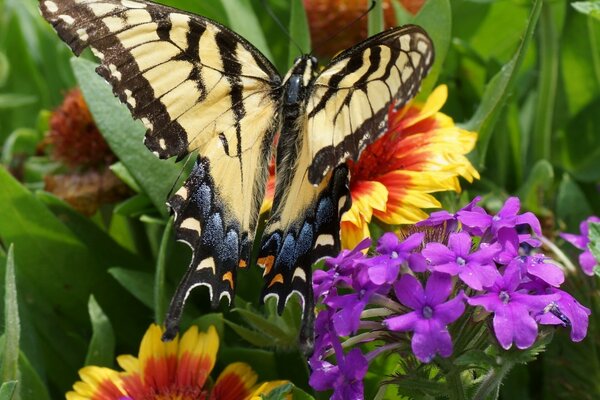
<point x="424" y="283"/>
<point x="586" y="259"/>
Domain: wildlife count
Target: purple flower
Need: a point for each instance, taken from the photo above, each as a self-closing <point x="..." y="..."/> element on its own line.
<point x="567" y="311"/>
<point x="431" y="315"/>
<point x="537" y="266"/>
<point x="512" y="309"/>
<point x="385" y="267"/>
<point x="345" y="378"/>
<point x="586" y="259"/>
<point x="507" y="217"/>
<point x="476" y="269"/>
<point x="438" y="218"/>
<point x="340" y="269"/>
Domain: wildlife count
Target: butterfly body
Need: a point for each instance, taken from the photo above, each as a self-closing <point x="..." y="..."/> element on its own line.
<point x="198" y="86"/>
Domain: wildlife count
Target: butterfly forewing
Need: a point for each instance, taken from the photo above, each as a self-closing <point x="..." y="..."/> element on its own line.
<point x="350" y="100"/>
<point x="196" y="86"/>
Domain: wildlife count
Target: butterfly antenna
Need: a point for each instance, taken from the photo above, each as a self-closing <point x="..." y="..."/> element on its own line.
<point x="350" y="25"/>
<point x="281" y="25"/>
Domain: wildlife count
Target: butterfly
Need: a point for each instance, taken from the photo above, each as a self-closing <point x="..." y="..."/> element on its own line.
<point x="198" y="86"/>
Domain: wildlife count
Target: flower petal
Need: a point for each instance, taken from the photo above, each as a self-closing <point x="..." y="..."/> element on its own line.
<point x="437" y="288"/>
<point x="410" y="292"/>
<point x="234" y="383"/>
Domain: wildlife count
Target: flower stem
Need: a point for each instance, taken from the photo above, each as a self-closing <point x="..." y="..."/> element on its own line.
<point x="491" y="382"/>
<point x="560" y="254"/>
<point x="456" y="390"/>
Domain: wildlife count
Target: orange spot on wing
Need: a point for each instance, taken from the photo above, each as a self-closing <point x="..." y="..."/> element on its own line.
<point x="228" y="277"/>
<point x="242" y="264"/>
<point x="276" y="279"/>
<point x="267" y="263"/>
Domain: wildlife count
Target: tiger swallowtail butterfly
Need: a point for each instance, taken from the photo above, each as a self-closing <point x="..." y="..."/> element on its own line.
<point x="198" y="86"/>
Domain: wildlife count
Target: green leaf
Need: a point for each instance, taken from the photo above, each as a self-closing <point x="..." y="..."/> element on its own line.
<point x="124" y="136"/>
<point x="8" y="390"/>
<point x="4" y="68"/>
<point x="15" y="100"/>
<point x="123" y="174"/>
<point x="594" y="236"/>
<point x="102" y="346"/>
<point x="591" y="8"/>
<point x="138" y="283"/>
<point x="32" y="386"/>
<point x="160" y="298"/>
<point x="475" y="358"/>
<point x="299" y="31"/>
<point x="540" y="179"/>
<point x="436" y="18"/>
<point x="375" y="21"/>
<point x="279" y="393"/>
<point x="19" y="142"/>
<point x="499" y="89"/>
<point x="242" y="19"/>
<point x="211" y="319"/>
<point x="255" y="338"/>
<point x="261" y="361"/>
<point x="12" y="324"/>
<point x="572" y="205"/>
<point x="135" y="206"/>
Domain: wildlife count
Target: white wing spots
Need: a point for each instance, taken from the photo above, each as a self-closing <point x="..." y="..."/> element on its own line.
<point x="405" y="43"/>
<point x="300" y="274"/>
<point x="162" y="144"/>
<point x="428" y="58"/>
<point x="147" y="123"/>
<point x="67" y="19"/>
<point x="97" y="53"/>
<point x="289" y="296"/>
<point x="100" y="9"/>
<point x="114" y="71"/>
<point x="422" y="47"/>
<point x="51" y="6"/>
<point x="130" y="99"/>
<point x="179" y="29"/>
<point x="225" y="294"/>
<point x="133" y="4"/>
<point x="210" y="292"/>
<point x="156" y="153"/>
<point x="272" y="295"/>
<point x="406" y="73"/>
<point x="325" y="239"/>
<point x="209" y="263"/>
<point x="182" y="192"/>
<point x="191" y="224"/>
<point x="415" y="57"/>
<point x="83" y="35"/>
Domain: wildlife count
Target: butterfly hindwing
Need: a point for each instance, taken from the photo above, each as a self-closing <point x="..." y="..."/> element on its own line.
<point x="350" y="100"/>
<point x="196" y="86"/>
<point x="346" y="109"/>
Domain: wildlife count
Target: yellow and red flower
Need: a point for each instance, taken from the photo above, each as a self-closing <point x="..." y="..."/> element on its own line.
<point x="421" y="153"/>
<point x="176" y="370"/>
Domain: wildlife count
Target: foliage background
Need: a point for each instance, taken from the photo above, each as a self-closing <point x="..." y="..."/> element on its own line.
<point x="88" y="287"/>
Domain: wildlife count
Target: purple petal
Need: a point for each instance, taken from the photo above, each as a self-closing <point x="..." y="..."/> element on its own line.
<point x="436" y="218"/>
<point x="530" y="219"/>
<point x="410" y="292"/>
<point x="451" y="310"/>
<point x="471" y="205"/>
<point x="474" y="219"/>
<point x="355" y="365"/>
<point x="347" y="320"/>
<point x="387" y="243"/>
<point x="437" y="253"/>
<point x="534" y="302"/>
<point x="486" y="253"/>
<point x="412" y="242"/>
<point x="489" y="301"/>
<point x="417" y="263"/>
<point x="431" y="339"/>
<point x="510" y="208"/>
<point x="578" y="315"/>
<point x="383" y="269"/>
<point x="512" y="276"/>
<point x="549" y="273"/>
<point x="479" y="276"/>
<point x="402" y="323"/>
<point x="323" y="375"/>
<point x="512" y="323"/>
<point x="460" y="244"/>
<point x="437" y="288"/>
<point x="451" y="268"/>
<point x="587" y="262"/>
<point x="578" y="241"/>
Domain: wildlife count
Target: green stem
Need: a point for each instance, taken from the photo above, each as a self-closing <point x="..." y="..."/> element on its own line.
<point x="160" y="304"/>
<point x="491" y="382"/>
<point x="454" y="384"/>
